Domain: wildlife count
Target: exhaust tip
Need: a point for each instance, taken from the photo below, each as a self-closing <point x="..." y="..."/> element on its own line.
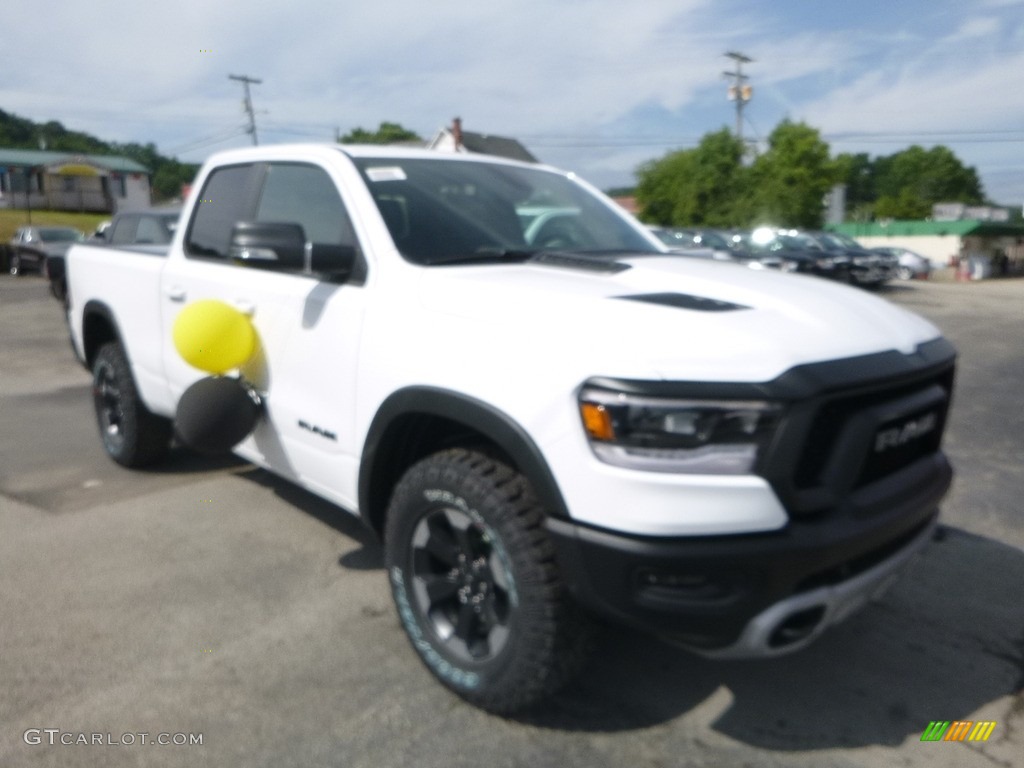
<point x="796" y="627"/>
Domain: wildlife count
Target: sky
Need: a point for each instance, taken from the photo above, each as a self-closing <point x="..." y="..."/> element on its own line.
<point x="594" y="86"/>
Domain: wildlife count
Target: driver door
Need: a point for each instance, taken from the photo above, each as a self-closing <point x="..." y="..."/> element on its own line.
<point x="308" y="328"/>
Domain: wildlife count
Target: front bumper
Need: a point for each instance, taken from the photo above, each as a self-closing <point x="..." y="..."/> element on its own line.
<point x="857" y="471"/>
<point x="756" y="594"/>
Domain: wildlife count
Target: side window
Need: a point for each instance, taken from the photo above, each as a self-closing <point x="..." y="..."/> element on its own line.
<point x="305" y="194"/>
<point x="223" y="201"/>
<point x="151" y="231"/>
<point x="124" y="230"/>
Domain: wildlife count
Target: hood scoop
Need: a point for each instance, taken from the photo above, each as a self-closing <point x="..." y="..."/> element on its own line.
<point x="685" y="301"/>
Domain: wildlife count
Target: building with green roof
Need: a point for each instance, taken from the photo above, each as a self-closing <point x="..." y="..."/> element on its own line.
<point x="941" y="241"/>
<point x="68" y="181"/>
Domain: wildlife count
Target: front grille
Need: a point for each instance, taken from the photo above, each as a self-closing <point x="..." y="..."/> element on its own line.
<point x="839" y="426"/>
<point x="898" y="443"/>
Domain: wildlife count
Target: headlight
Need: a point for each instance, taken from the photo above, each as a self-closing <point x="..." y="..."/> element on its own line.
<point x="790" y="266"/>
<point x="716" y="437"/>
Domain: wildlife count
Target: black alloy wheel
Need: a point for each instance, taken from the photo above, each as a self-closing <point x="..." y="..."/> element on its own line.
<point x="132" y="435"/>
<point x="461" y="584"/>
<point x="474" y="578"/>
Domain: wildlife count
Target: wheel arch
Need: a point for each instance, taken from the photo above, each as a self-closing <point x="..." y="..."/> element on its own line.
<point x="98" y="327"/>
<point x="415" y="422"/>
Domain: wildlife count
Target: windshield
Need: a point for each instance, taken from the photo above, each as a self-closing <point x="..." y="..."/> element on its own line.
<point x="844" y="240"/>
<point x="59" y="235"/>
<point x="779" y="242"/>
<point x="710" y="240"/>
<point x="445" y="211"/>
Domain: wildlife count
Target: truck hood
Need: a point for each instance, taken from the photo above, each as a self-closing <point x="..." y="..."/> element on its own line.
<point x="676" y="318"/>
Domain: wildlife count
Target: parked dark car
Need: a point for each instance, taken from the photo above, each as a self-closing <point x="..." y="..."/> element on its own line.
<point x="855" y="264"/>
<point x="154" y="227"/>
<point x="910" y="265"/>
<point x="786" y="251"/>
<point x="681" y="241"/>
<point x="735" y="247"/>
<point x="31" y="247"/>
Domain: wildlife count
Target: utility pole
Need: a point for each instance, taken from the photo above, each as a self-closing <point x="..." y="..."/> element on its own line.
<point x="739" y="91"/>
<point x="245" y="80"/>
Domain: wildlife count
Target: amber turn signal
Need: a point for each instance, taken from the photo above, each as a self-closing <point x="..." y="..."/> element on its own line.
<point x="597" y="421"/>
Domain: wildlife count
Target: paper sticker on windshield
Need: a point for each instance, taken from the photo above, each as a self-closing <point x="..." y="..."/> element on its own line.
<point x="386" y="173"/>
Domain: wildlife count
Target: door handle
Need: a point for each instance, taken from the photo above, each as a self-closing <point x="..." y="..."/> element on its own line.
<point x="176" y="293"/>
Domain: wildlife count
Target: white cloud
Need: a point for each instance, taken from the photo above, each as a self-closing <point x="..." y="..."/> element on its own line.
<point x="125" y="71"/>
<point x="982" y="26"/>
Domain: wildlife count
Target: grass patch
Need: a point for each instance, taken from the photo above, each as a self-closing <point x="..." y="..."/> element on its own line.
<point x="10" y="220"/>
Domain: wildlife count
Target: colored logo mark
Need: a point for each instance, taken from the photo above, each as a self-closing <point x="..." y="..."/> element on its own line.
<point x="958" y="730"/>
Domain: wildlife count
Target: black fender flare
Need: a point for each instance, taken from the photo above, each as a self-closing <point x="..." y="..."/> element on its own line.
<point x="469" y="412"/>
<point x="93" y="310"/>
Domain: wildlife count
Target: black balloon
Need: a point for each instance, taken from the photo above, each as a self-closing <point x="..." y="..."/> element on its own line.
<point x="215" y="414"/>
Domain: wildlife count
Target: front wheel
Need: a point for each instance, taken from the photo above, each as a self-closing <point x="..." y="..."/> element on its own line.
<point x="474" y="579"/>
<point x="15" y="266"/>
<point x="132" y="435"/>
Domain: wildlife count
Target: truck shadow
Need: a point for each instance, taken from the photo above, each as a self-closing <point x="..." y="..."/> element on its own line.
<point x="946" y="640"/>
<point x="368" y="557"/>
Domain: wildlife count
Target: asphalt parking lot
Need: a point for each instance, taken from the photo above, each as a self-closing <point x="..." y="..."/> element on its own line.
<point x="208" y="598"/>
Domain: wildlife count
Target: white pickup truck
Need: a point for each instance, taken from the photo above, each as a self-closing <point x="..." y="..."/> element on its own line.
<point x="543" y="414"/>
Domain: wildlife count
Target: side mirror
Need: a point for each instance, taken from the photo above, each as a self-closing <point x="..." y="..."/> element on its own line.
<point x="269" y="245"/>
<point x="282" y="247"/>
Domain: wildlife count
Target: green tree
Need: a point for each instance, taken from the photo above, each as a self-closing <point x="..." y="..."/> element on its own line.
<point x="915" y="178"/>
<point x="696" y="186"/>
<point x="857" y="173"/>
<point x="170" y="176"/>
<point x="387" y="133"/>
<point x="903" y="205"/>
<point x="167" y="174"/>
<point x="790" y="180"/>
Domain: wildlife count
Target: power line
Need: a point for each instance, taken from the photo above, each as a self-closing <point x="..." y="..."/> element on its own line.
<point x="202" y="141"/>
<point x="245" y="80"/>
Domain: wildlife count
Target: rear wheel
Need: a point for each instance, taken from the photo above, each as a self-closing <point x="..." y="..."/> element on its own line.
<point x="473" y="576"/>
<point x="132" y="435"/>
<point x="905" y="273"/>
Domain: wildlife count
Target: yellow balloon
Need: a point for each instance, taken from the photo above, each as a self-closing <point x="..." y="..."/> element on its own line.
<point x="213" y="336"/>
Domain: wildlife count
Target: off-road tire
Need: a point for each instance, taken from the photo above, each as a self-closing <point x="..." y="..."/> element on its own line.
<point x="478" y="592"/>
<point x="132" y="435"/>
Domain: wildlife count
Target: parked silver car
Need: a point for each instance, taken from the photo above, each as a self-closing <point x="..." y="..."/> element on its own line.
<point x="912" y="266"/>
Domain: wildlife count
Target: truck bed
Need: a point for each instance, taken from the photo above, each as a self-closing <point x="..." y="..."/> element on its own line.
<point x="125" y="278"/>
